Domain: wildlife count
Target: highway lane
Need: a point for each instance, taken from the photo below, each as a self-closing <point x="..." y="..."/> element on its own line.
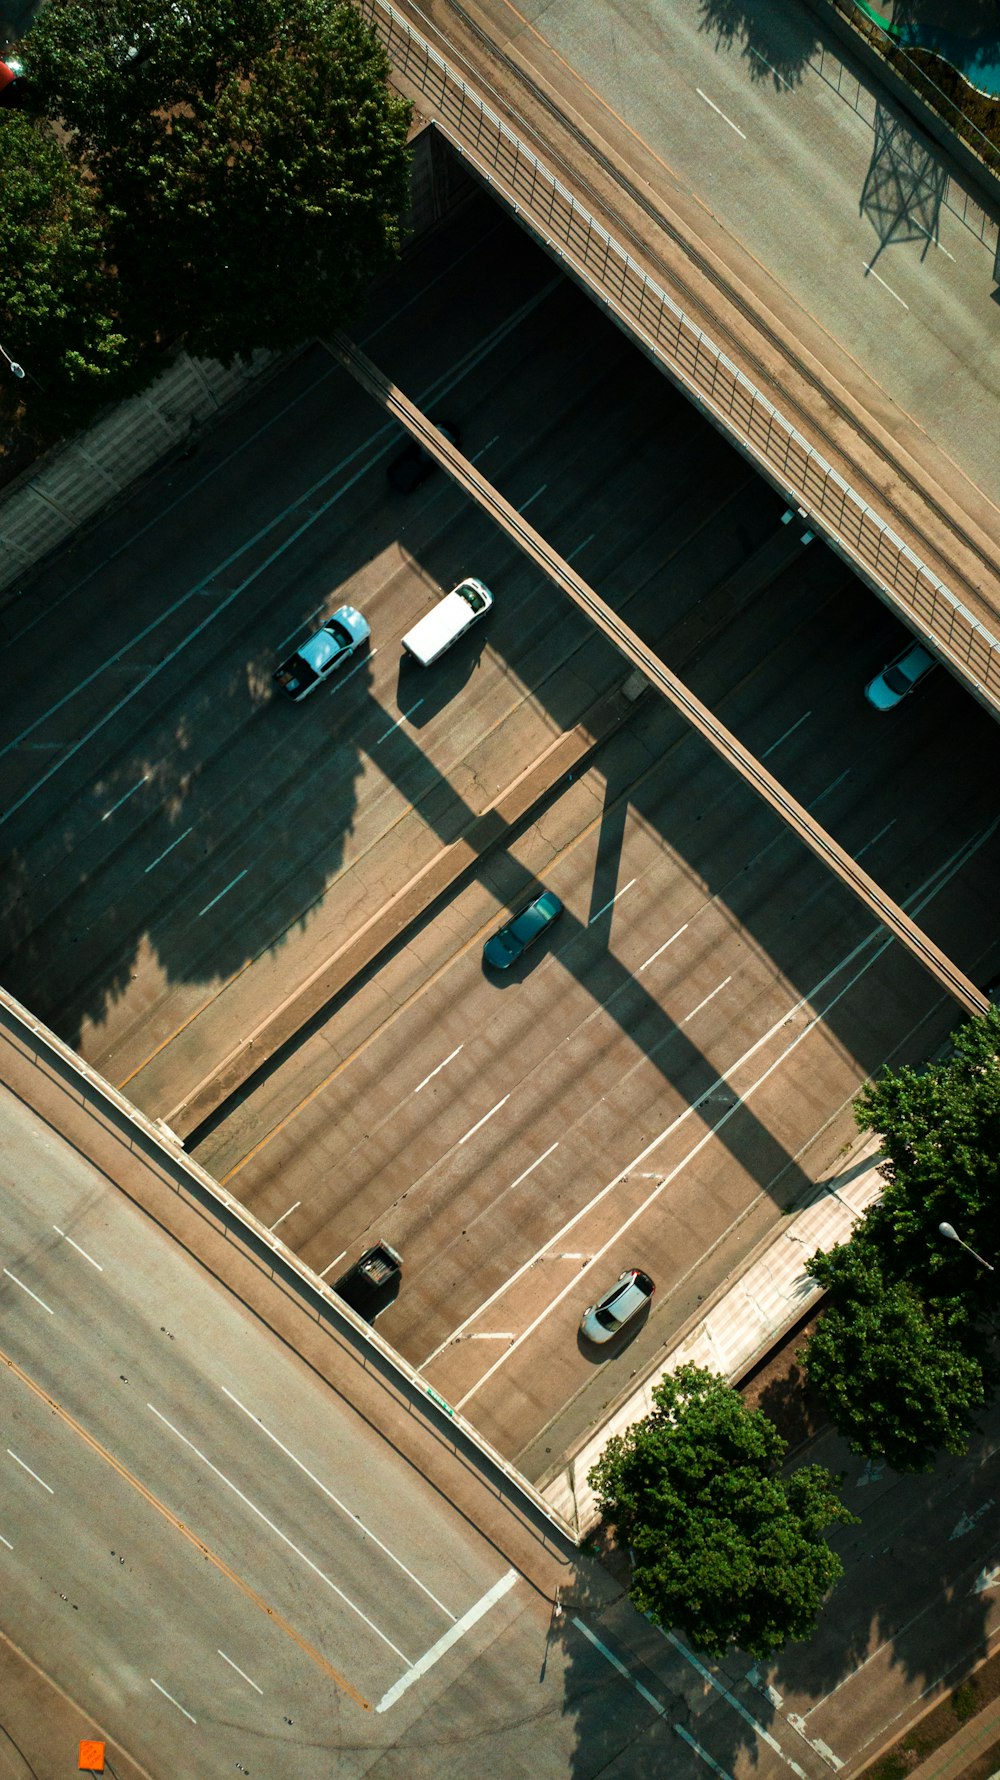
<point x="220" y="1557"/>
<point x="874" y="247"/>
<point x="656" y="1080"/>
<point x="213" y="829"/>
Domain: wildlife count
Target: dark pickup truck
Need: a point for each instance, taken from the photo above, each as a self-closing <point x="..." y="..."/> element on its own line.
<point x="371" y="1284"/>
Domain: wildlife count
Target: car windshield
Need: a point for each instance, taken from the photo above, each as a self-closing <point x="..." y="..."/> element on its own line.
<point x="896" y="679"/>
<point x="339" y="632"/>
<point x="474" y="598"/>
<point x="606" y="1318"/>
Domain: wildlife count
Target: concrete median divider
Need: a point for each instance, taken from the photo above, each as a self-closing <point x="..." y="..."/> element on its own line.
<point x="494" y="828"/>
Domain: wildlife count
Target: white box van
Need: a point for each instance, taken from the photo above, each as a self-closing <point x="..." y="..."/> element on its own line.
<point x="447" y="621"/>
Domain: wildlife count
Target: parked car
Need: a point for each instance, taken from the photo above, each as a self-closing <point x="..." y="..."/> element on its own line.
<point x="370" y="1283"/>
<point x="325" y="651"/>
<point x="900" y="677"/>
<point x="626" y="1300"/>
<point x="448" y="620"/>
<point x="413" y="465"/>
<point x="507" y="945"/>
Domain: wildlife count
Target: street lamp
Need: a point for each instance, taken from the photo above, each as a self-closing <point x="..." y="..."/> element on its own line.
<point x="951" y="1233"/>
<point x="16" y="369"/>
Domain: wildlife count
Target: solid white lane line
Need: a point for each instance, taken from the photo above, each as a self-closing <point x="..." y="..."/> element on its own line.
<point x="79" y="1250"/>
<point x="173" y="1702"/>
<point x="784" y="737"/>
<point x="936" y="243"/>
<point x="239" y="1671"/>
<point x="31" y="1473"/>
<point x="487" y="447"/>
<point x="161" y="856"/>
<point x="869" y="269"/>
<point x="437" y="1071"/>
<point x="708" y="998"/>
<point x="506" y="1335"/>
<point x="450" y="1637"/>
<point x="332" y="1264"/>
<point x="709" y="1760"/>
<point x="285" y="1214"/>
<point x="230" y="886"/>
<point x="611" y="904"/>
<point x="755" y="1724"/>
<point x="136" y="787"/>
<point x="690" y="1111"/>
<point x="259" y="1512"/>
<point x="725" y="119"/>
<point x="356" y="1518"/>
<point x="6" y="1542"/>
<point x="484" y="1120"/>
<point x="394" y="726"/>
<point x="667" y="942"/>
<point x="456" y="1334"/>
<point x="589" y="539"/>
<point x="622" y="1668"/>
<point x="31" y="1294"/>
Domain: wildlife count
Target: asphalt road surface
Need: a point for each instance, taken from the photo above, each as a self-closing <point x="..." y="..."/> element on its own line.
<point x="764" y="119"/>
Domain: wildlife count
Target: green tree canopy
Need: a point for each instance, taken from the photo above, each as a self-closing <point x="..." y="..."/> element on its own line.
<point x="895" y="1372"/>
<point x="57" y="303"/>
<point x="723" y="1546"/>
<point x="251" y="162"/>
<point x="904" y="1353"/>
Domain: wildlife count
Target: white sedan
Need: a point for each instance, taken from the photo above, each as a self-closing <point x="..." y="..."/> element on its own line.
<point x="328" y="649"/>
<point x="627" y="1298"/>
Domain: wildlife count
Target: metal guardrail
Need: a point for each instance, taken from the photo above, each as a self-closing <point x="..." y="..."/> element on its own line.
<point x="685" y="351"/>
<point x="47" y="1046"/>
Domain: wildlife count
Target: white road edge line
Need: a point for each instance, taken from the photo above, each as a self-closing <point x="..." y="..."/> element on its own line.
<point x="774" y="71"/>
<point x="356" y="1518"/>
<point x="709" y="1760"/>
<point x="285" y="1214"/>
<point x="484" y="1120"/>
<point x="173" y="1702"/>
<point x="437" y="1071"/>
<point x="450" y="1637"/>
<point x="725" y="119"/>
<point x="533" y="497"/>
<point x="31" y="1473"/>
<point x="239" y="1671"/>
<point x="784" y="737"/>
<point x="31" y="1294"/>
<point x="6" y="1542"/>
<point x="737" y="1706"/>
<point x="332" y="1264"/>
<point x="370" y="1623"/>
<point x="608" y="905"/>
<point x="622" y="1668"/>
<point x="79" y="1250"/>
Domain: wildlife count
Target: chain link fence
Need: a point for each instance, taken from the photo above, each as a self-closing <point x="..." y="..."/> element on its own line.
<point x="683" y="349"/>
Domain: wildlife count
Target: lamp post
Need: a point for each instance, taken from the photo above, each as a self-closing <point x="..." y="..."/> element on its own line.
<point x="951" y="1233"/>
<point x="16" y="369"/>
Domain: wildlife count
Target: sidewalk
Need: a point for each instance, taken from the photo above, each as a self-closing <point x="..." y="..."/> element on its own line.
<point x="738" y="1324"/>
<point x="953" y="1758"/>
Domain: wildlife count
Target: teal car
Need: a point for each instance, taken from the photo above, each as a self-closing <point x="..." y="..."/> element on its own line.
<point x="511" y="941"/>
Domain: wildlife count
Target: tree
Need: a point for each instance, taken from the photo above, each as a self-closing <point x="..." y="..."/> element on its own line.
<point x="722" y="1544"/>
<point x="57" y="302"/>
<point x="251" y="161"/>
<point x="897" y="1374"/>
<point x="903" y="1354"/>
